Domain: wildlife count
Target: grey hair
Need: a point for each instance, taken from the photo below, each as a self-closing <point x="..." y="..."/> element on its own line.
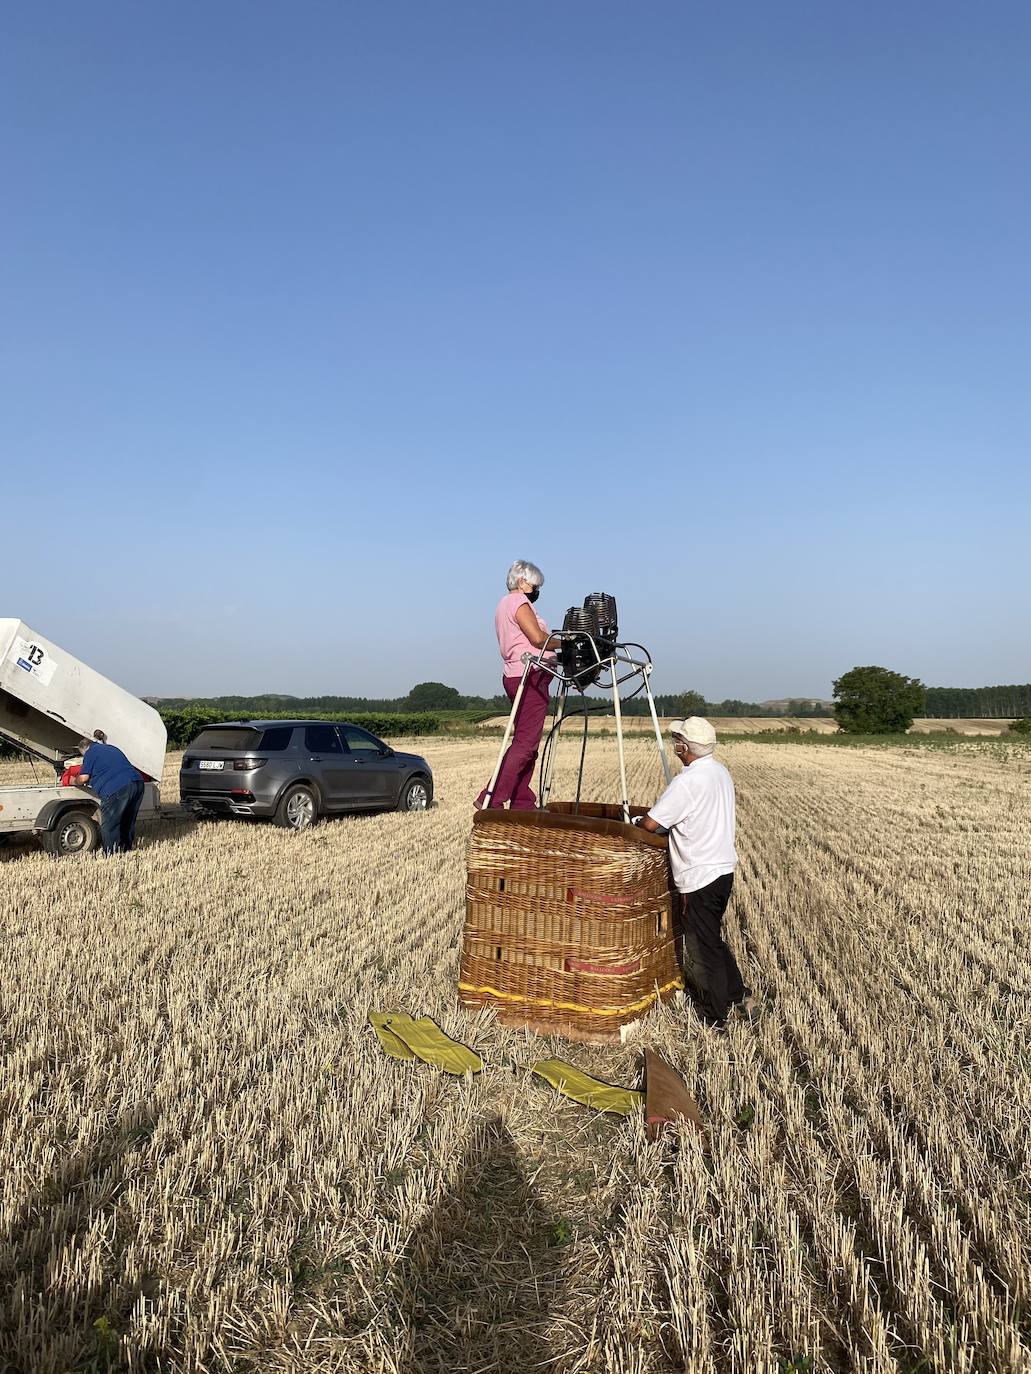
<point x="700" y="751"/>
<point x="521" y="571"/>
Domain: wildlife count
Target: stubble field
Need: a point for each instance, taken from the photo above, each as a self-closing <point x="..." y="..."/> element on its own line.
<point x="806" y="725"/>
<point x="208" y="1163"/>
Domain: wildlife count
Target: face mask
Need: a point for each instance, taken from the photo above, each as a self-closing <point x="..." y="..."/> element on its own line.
<point x="533" y="594"/>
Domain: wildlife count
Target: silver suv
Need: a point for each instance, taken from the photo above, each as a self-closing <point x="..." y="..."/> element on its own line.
<point x="297" y="770"/>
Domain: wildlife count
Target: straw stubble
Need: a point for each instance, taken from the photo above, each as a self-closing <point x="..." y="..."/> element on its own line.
<point x="210" y="1165"/>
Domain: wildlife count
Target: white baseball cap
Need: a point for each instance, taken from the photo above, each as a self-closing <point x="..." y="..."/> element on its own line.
<point x="696" y="730"/>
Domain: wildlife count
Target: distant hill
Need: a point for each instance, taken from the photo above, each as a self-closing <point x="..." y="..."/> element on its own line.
<point x="787" y="705"/>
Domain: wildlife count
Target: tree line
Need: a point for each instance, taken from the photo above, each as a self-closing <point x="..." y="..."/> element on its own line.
<point x="941" y="703"/>
<point x="438" y="696"/>
<point x="867" y="700"/>
<point x="877" y="701"/>
<point x="989" y="703"/>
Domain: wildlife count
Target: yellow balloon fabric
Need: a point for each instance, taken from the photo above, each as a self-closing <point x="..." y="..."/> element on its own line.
<point x="590" y="1092"/>
<point x="399" y="1032"/>
<point x="391" y="1043"/>
<point x="404" y="1037"/>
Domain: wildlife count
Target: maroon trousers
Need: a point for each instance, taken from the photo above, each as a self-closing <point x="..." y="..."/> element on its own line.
<point x="513" y="784"/>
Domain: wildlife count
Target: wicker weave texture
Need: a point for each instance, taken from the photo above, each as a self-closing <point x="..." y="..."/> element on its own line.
<point x="568" y="924"/>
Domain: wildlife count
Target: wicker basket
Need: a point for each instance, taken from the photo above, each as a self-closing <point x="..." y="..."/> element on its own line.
<point x="568" y="925"/>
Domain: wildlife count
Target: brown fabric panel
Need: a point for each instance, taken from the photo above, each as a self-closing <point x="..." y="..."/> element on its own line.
<point x="666" y="1097"/>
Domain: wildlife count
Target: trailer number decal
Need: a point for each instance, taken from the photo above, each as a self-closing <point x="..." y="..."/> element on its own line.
<point x="34" y="659"/>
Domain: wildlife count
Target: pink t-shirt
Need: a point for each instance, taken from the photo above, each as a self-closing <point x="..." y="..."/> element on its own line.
<point x="511" y="640"/>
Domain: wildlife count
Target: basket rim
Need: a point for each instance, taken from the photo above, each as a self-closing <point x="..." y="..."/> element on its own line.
<point x="559" y="820"/>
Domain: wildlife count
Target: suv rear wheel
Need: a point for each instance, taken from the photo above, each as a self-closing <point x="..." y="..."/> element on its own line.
<point x="298" y="809"/>
<point x="76" y="832"/>
<point x="415" y="795"/>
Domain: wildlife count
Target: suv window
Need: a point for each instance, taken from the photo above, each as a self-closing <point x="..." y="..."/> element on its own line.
<point x="241" y="737"/>
<point x="275" y="740"/>
<point x="322" y="739"/>
<point x="360" y="741"/>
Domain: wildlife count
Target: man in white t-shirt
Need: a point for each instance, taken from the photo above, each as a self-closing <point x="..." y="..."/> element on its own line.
<point x="697" y="808"/>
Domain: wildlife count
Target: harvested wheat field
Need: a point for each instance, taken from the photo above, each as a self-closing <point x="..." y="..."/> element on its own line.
<point x="209" y="1164"/>
<point x="726" y="725"/>
<point x="806" y="725"/>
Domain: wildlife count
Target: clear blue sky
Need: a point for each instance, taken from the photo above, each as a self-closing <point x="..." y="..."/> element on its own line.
<point x="314" y="316"/>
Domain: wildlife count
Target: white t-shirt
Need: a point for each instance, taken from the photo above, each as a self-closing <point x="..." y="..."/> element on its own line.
<point x="697" y="809"/>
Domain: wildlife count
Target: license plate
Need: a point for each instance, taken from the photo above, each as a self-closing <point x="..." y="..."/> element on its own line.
<point x="211" y="765"/>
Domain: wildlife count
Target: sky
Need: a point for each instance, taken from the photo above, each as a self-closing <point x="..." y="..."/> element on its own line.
<point x="313" y="317"/>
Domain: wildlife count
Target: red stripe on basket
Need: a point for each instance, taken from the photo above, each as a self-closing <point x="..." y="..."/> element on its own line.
<point x="582" y="966"/>
<point x="603" y="897"/>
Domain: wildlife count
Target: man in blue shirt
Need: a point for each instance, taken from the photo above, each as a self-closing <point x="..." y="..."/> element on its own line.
<point x="108" y="773"/>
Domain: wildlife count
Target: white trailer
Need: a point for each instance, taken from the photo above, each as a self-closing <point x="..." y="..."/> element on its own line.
<point x="49" y="700"/>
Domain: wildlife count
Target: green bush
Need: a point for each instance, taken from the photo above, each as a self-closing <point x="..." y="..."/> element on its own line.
<point x="433" y="696"/>
<point x="395" y="726"/>
<point x="184" y="725"/>
<point x="876" y="701"/>
<point x="1021" y="727"/>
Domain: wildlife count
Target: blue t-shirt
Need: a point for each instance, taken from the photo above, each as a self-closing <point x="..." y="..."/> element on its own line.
<point x="108" y="770"/>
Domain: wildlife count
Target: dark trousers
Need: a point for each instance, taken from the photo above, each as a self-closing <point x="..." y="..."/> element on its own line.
<point x="513" y="784"/>
<point x="118" y="814"/>
<point x="709" y="968"/>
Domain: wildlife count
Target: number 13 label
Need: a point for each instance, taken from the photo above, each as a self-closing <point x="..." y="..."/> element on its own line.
<point x="34" y="659"/>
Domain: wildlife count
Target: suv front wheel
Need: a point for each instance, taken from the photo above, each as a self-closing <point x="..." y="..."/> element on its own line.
<point x="415" y="795"/>
<point x="297" y="809"/>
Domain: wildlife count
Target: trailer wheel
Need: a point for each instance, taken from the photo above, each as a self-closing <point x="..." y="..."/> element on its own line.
<point x="76" y="832"/>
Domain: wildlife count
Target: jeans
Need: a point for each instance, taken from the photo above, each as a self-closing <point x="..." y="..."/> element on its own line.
<point x="704" y="956"/>
<point x="118" y="814"/>
<point x="513" y="784"/>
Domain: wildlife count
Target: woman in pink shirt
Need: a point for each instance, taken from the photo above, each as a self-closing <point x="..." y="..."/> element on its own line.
<point x="520" y="631"/>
